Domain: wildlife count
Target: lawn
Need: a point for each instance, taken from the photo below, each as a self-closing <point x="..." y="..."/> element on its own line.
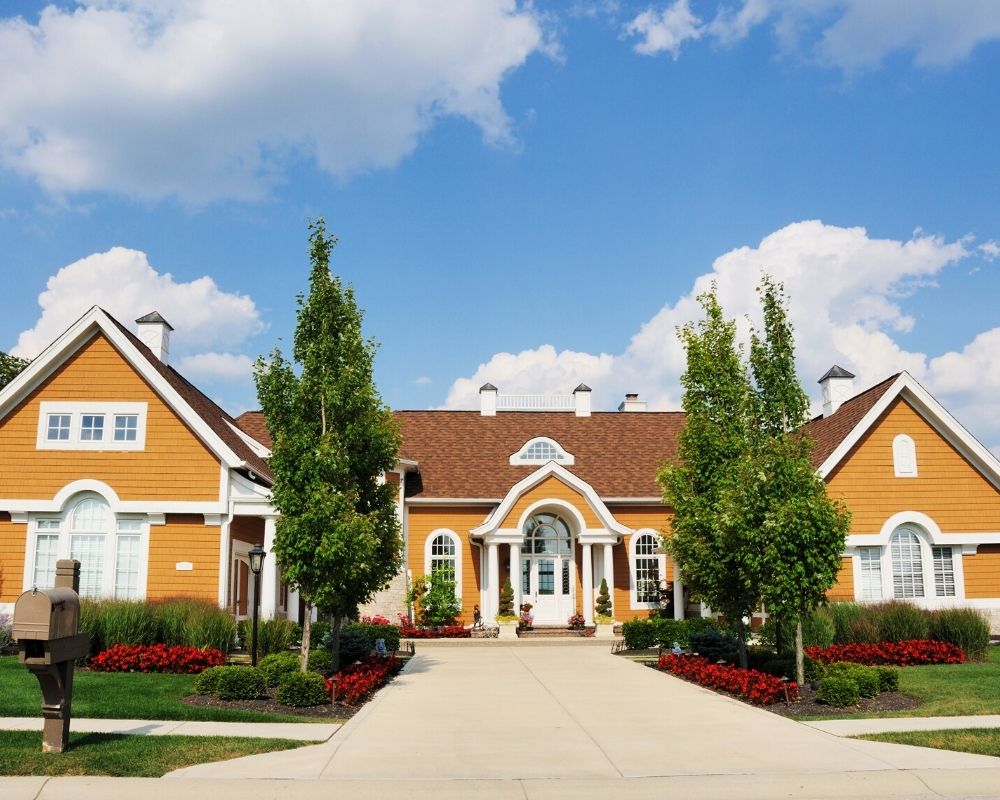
<point x="984" y="741"/>
<point x="120" y="755"/>
<point x="121" y="695"/>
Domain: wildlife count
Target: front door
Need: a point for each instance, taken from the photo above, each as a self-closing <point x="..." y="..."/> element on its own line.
<point x="547" y="569"/>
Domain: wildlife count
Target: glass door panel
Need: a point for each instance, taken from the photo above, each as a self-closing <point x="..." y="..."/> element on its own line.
<point x="546" y="576"/>
<point x="526" y="576"/>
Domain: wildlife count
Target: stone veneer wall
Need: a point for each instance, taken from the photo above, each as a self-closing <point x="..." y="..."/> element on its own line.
<point x="390" y="602"/>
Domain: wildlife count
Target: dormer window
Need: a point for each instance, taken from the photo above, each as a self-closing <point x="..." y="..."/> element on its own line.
<point x="541" y="450"/>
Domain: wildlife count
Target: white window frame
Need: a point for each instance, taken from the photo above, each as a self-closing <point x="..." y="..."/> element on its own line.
<point x="877" y="561"/>
<point x="41" y="525"/>
<point x="76" y="411"/>
<point x="632" y="556"/>
<point x="456" y="540"/>
<point x="521" y="458"/>
<point x="904" y="456"/>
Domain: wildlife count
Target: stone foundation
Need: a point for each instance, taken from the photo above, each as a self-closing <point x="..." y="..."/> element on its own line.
<point x="390" y="602"/>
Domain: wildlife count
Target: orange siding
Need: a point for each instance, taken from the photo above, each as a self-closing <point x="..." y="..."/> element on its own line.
<point x="423" y="521"/>
<point x="948" y="489"/>
<point x="551" y="487"/>
<point x="843" y="589"/>
<point x="656" y="518"/>
<point x="12" y="539"/>
<point x="982" y="572"/>
<point x="174" y="466"/>
<point x="184" y="537"/>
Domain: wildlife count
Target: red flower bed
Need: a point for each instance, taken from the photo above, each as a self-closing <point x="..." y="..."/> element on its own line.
<point x="156" y="658"/>
<point x="357" y="681"/>
<point x="900" y="654"/>
<point x="756" y="687"/>
<point x="444" y="632"/>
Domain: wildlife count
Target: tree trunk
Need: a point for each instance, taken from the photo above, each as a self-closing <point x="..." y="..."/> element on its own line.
<point x="741" y="639"/>
<point x="337" y="624"/>
<point x="306" y="637"/>
<point x="800" y="664"/>
<point x="779" y="640"/>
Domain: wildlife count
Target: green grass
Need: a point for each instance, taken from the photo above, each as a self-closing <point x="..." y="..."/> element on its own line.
<point x="122" y="695"/>
<point x="120" y="755"/>
<point x="984" y="741"/>
<point x="948" y="690"/>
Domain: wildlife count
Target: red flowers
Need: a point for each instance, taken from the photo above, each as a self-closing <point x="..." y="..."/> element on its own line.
<point x="359" y="680"/>
<point x="756" y="687"/>
<point x="156" y="658"/>
<point x="900" y="654"/>
<point x="444" y="632"/>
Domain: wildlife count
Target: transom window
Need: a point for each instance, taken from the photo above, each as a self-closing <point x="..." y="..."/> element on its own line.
<point x="546" y="534"/>
<point x="541" y="450"/>
<point x="91" y="426"/>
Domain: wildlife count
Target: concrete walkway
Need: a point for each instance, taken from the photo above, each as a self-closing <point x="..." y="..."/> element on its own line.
<point x="303" y="732"/>
<point x="855" y="727"/>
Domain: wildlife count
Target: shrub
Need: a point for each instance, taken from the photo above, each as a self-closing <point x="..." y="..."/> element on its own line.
<point x="240" y="683"/>
<point x="127" y="622"/>
<point x="208" y="681"/>
<point x="902" y="654"/>
<point x="888" y="679"/>
<point x="319" y="631"/>
<point x="866" y="678"/>
<point x="639" y="634"/>
<point x="275" y="666"/>
<point x="862" y="629"/>
<point x="434" y="601"/>
<point x="90" y="623"/>
<point x="355" y="644"/>
<point x="838" y="690"/>
<point x="301" y="689"/>
<point x="783" y="666"/>
<point x="6" y="627"/>
<point x="713" y="645"/>
<point x="842" y="615"/>
<point x="155" y="658"/>
<point x="754" y="686"/>
<point x="209" y="626"/>
<point x="274" y="635"/>
<point x="505" y="608"/>
<point x="899" y="621"/>
<point x="602" y="606"/>
<point x="320" y="661"/>
<point x="964" y="627"/>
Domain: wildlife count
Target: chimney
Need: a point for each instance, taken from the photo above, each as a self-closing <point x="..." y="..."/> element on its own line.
<point x="632" y="403"/>
<point x="154" y="332"/>
<point x="581" y="398"/>
<point x="838" y="386"/>
<point x="488" y="400"/>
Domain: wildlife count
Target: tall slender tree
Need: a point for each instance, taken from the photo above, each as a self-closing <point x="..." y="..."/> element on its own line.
<point x="10" y="367"/>
<point x="337" y="538"/>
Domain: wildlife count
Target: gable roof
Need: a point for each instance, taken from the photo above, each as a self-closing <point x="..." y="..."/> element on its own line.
<point x="206" y="419"/>
<point x="828" y="432"/>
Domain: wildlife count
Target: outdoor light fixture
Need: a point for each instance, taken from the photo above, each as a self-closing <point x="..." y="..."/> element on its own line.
<point x="256" y="555"/>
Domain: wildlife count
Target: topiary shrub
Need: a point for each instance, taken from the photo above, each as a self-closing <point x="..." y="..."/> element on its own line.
<point x="602" y="606"/>
<point x="301" y="689"/>
<point x="240" y="683"/>
<point x="898" y="621"/>
<point x="713" y="645"/>
<point x="964" y="627"/>
<point x="839" y="690"/>
<point x="320" y="661"/>
<point x="277" y="665"/>
<point x="506" y="606"/>
<point x="207" y="681"/>
<point x="888" y="679"/>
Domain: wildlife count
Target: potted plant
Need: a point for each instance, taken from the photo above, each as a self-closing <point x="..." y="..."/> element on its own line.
<point x="506" y="617"/>
<point x="603" y="618"/>
<point x="576" y="622"/>
<point x="527" y="619"/>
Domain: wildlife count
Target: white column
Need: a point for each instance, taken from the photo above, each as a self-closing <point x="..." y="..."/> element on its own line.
<point x="225" y="562"/>
<point x="609" y="573"/>
<point x="492" y="582"/>
<point x="269" y="574"/>
<point x="515" y="575"/>
<point x="588" y="585"/>
<point x="678" y="593"/>
<point x="293" y="605"/>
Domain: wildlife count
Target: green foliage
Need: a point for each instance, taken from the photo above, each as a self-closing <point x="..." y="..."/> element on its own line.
<point x="838" y="690"/>
<point x="321" y="630"/>
<point x="207" y="681"/>
<point x="888" y="679"/>
<point x="964" y="627"/>
<point x="355" y="644"/>
<point x="603" y="604"/>
<point x="817" y="629"/>
<point x="275" y="635"/>
<point x="642" y="634"/>
<point x="897" y="621"/>
<point x="333" y="438"/>
<point x="276" y="665"/>
<point x="434" y="601"/>
<point x="714" y="645"/>
<point x="783" y="666"/>
<point x="506" y="606"/>
<point x="10" y="366"/>
<point x="843" y="615"/>
<point x="240" y="683"/>
<point x="867" y="679"/>
<point x="300" y="689"/>
<point x="127" y="622"/>
<point x="90" y="623"/>
<point x="206" y="625"/>
<point x="320" y="661"/>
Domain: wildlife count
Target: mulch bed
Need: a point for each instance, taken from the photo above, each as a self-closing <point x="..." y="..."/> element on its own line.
<point x="808" y="707"/>
<point x="272" y="706"/>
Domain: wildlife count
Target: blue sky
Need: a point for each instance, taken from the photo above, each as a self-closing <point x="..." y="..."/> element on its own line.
<point x="527" y="194"/>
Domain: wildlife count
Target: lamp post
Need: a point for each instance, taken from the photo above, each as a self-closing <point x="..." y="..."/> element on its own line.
<point x="256" y="554"/>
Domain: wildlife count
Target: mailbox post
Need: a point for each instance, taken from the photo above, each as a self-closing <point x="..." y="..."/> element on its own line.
<point x="46" y="627"/>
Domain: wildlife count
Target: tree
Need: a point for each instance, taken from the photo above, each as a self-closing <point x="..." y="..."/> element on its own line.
<point x="337" y="539"/>
<point x="10" y="367"/>
<point x="433" y="598"/>
<point x="602" y="606"/>
<point x="710" y="546"/>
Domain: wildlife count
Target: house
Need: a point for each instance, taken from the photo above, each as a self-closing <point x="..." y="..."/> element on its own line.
<point x="110" y="456"/>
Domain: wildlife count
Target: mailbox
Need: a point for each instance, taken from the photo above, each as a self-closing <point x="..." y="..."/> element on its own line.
<point x="46" y="614"/>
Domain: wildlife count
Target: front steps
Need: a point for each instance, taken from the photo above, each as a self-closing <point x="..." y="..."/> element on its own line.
<point x="554" y="632"/>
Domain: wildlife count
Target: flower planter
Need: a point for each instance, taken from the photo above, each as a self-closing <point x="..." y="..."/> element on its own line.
<point x="508" y="631"/>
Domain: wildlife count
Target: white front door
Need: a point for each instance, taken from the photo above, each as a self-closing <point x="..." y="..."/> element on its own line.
<point x="546" y="583"/>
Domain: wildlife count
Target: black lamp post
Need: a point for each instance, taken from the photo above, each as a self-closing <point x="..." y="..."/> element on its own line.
<point x="257" y="554"/>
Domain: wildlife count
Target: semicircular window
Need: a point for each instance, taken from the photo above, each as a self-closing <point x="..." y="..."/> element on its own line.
<point x="541" y="450"/>
<point x="546" y="533"/>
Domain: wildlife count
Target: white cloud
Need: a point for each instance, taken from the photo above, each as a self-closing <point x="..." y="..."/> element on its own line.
<point x="123" y="283"/>
<point x="990" y="249"/>
<point x="423" y="380"/>
<point x="850" y="35"/>
<point x="210" y="99"/>
<point x="846" y="291"/>
<point x="666" y="30"/>
<point x="216" y="366"/>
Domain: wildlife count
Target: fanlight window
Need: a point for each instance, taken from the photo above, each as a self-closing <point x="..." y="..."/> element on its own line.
<point x="547" y="534"/>
<point x="541" y="450"/>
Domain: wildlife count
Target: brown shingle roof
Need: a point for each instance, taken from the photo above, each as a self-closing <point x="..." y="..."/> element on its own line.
<point x="210" y="413"/>
<point x="829" y="432"/>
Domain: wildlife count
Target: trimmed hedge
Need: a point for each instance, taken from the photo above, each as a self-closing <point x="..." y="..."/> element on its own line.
<point x="838" y="690"/>
<point x="300" y="689"/>
<point x="240" y="683"/>
<point x="275" y="666"/>
<point x="643" y="634"/>
<point x="208" y="681"/>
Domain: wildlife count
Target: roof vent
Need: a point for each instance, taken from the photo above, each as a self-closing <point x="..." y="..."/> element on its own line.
<point x="632" y="403"/>
<point x="838" y="386"/>
<point x="154" y="332"/>
<point x="488" y="400"/>
<point x="581" y="400"/>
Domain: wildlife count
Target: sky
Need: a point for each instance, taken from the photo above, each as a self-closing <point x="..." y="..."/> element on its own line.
<point x="531" y="194"/>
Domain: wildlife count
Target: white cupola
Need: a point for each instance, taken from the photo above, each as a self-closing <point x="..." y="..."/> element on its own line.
<point x="838" y="386"/>
<point x="154" y="332"/>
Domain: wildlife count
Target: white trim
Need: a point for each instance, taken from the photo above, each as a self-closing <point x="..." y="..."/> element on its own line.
<point x="456" y="540"/>
<point x="661" y="566"/>
<point x="76" y="410"/>
<point x="519" y="459"/>
<point x="225" y="543"/>
<point x="453" y="501"/>
<point x="904" y="456"/>
<point x="252" y="443"/>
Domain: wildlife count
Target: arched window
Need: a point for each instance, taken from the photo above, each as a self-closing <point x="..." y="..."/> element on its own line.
<point x="442" y="555"/>
<point x="88" y="530"/>
<point x="904" y="456"/>
<point x="648" y="569"/>
<point x="546" y="533"/>
<point x="541" y="450"/>
<point x="907" y="564"/>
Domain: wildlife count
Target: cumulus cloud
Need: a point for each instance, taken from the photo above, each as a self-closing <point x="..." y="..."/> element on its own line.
<point x="850" y="35"/>
<point x="210" y="99"/>
<point x="847" y="292"/>
<point x="216" y="366"/>
<point x="123" y="282"/>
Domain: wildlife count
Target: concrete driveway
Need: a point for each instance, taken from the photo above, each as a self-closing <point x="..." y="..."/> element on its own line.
<point x="572" y="720"/>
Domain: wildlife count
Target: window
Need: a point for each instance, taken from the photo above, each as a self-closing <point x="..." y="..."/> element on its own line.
<point x="907" y="565"/>
<point x="944" y="572"/>
<point x="871" y="572"/>
<point x="541" y="450"/>
<point x="647" y="570"/>
<point x="546" y="534"/>
<point x="91" y="426"/>
<point x="443" y="554"/>
<point x="904" y="456"/>
<point x="46" y="555"/>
